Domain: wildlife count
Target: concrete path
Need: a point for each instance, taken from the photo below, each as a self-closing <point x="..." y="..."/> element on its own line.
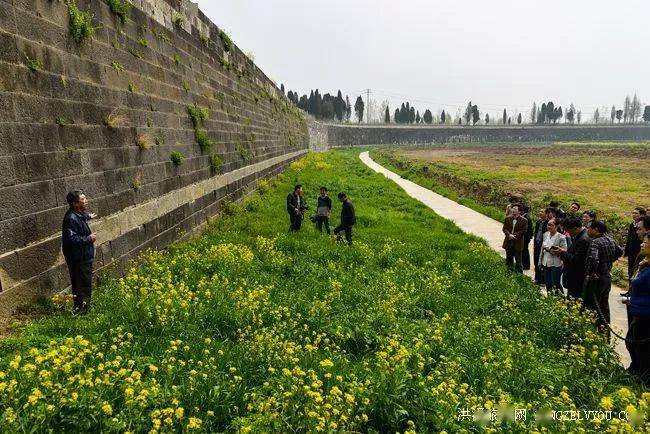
<point x="475" y="223"/>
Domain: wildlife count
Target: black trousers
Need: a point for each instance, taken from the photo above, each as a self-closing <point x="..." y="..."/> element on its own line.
<point x="596" y="295"/>
<point x="347" y="230"/>
<point x="81" y="280"/>
<point x="539" y="273"/>
<point x="638" y="345"/>
<point x="323" y="220"/>
<point x="513" y="255"/>
<point x="296" y="222"/>
<point x="525" y="255"/>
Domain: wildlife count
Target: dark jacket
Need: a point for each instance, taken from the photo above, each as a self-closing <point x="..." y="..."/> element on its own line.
<point x="574" y="261"/>
<point x="529" y="229"/>
<point x="78" y="248"/>
<point x="292" y="203"/>
<point x="640" y="290"/>
<point x="324" y="201"/>
<point x="348" y="216"/>
<point x="632" y="244"/>
<point x="520" y="230"/>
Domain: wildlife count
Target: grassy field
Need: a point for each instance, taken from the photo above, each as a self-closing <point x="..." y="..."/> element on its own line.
<point x="604" y="177"/>
<point x="250" y="329"/>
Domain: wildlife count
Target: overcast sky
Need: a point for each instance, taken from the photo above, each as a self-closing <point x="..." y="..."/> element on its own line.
<point x="438" y="55"/>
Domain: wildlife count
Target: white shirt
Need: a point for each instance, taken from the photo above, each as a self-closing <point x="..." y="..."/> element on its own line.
<point x="547" y="259"/>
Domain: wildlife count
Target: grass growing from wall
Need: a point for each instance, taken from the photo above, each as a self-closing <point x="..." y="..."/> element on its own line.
<point x="248" y="328"/>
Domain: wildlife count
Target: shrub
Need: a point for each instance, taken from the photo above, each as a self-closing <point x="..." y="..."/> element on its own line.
<point x="179" y="19"/>
<point x="136" y="183"/>
<point x="204" y="141"/>
<point x="177" y="158"/>
<point x="144" y="141"/>
<point x="118" y="67"/>
<point x="131" y="87"/>
<point x="135" y="53"/>
<point x="227" y="42"/>
<point x="198" y="115"/>
<point x="143" y="41"/>
<point x="115" y="120"/>
<point x="34" y="64"/>
<point x="177" y="59"/>
<point x="204" y="39"/>
<point x="263" y="186"/>
<point x="81" y="23"/>
<point x="215" y="163"/>
<point x="245" y="153"/>
<point x="61" y="120"/>
<point x="120" y="8"/>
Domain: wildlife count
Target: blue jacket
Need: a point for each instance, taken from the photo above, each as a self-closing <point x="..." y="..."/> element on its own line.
<point x="78" y="248"/>
<point x="640" y="294"/>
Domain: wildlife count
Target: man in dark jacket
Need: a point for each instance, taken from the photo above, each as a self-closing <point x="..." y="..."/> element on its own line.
<point x="633" y="243"/>
<point x="323" y="211"/>
<point x="348" y="219"/>
<point x="602" y="254"/>
<point x="79" y="250"/>
<point x="296" y="207"/>
<point x="514" y="227"/>
<point x="574" y="257"/>
<point x="525" y="254"/>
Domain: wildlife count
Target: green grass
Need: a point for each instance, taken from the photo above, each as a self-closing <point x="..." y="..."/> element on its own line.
<point x="485" y="175"/>
<point x="249" y="328"/>
<point x="419" y="175"/>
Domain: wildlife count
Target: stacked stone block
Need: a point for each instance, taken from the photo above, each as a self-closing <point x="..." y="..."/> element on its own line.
<point x="105" y="115"/>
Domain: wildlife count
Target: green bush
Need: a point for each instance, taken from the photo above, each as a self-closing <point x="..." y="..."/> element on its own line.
<point x="177" y="158"/>
<point x="198" y="115"/>
<point x="120" y="8"/>
<point x="216" y="163"/>
<point x="227" y="42"/>
<point x="81" y="23"/>
<point x="203" y="140"/>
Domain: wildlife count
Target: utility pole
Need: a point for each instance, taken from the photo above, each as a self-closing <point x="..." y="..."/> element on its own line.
<point x="367" y="106"/>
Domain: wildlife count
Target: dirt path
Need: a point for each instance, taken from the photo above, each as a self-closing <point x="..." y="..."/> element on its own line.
<point x="489" y="229"/>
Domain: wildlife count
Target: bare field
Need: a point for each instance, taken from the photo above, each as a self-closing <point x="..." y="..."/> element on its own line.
<point x="610" y="180"/>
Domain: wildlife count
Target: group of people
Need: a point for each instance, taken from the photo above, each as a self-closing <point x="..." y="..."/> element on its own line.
<point x="572" y="250"/>
<point x="297" y="207"/>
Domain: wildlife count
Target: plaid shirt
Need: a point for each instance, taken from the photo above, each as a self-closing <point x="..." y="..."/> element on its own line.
<point x="602" y="253"/>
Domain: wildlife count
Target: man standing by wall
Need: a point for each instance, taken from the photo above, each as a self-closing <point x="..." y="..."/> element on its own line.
<point x="348" y="219"/>
<point x="296" y="207"/>
<point x="514" y="228"/>
<point x="79" y="250"/>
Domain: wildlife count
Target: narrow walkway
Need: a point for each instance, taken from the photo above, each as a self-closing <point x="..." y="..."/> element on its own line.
<point x="475" y="223"/>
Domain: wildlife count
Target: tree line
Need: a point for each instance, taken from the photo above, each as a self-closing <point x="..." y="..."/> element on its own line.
<point x="336" y="107"/>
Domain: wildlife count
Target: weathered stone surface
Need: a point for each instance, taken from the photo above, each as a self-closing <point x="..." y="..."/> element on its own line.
<point x="71" y="115"/>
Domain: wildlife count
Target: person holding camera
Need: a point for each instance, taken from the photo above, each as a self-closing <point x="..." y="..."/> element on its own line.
<point x="549" y="259"/>
<point x="296" y="206"/>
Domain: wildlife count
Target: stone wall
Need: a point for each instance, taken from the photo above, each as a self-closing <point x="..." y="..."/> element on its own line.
<point x="343" y="135"/>
<point x="105" y="115"/>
